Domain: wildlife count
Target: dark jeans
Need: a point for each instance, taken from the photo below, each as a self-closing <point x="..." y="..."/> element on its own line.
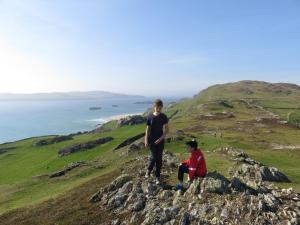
<point x="182" y="170"/>
<point x="156" y="153"/>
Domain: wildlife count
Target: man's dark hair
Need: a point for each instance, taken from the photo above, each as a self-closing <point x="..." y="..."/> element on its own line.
<point x="193" y="144"/>
<point x="158" y="103"/>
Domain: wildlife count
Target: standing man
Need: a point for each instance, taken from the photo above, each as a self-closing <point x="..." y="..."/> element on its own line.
<point x="156" y="131"/>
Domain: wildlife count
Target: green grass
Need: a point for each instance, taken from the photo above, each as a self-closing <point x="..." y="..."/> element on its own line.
<point x="22" y="170"/>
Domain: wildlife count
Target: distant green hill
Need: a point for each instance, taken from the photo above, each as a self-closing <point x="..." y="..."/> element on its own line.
<point x="74" y="95"/>
<point x="250" y="90"/>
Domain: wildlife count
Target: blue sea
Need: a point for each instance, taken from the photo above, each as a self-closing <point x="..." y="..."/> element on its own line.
<point x="23" y="119"/>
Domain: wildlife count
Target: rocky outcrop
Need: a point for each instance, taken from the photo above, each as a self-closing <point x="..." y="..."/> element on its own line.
<point x="250" y="171"/>
<point x="215" y="183"/>
<point x="83" y="146"/>
<point x="214" y="199"/>
<point x="67" y="169"/>
<point x="6" y="149"/>
<point x="129" y="141"/>
<point x="131" y="120"/>
<point x="239" y="155"/>
<point x="53" y="140"/>
<point x="216" y="116"/>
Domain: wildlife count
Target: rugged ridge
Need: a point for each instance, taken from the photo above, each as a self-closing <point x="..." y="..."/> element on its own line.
<point x="215" y="199"/>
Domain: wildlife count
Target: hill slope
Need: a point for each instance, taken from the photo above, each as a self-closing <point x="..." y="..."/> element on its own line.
<point x="250" y="116"/>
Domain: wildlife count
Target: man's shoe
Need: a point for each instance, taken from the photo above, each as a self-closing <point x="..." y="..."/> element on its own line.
<point x="179" y="187"/>
<point x="157" y="181"/>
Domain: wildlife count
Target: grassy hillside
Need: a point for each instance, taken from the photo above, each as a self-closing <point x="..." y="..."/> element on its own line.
<point x="244" y="115"/>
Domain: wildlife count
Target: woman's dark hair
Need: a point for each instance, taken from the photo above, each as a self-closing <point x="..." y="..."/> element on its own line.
<point x="193" y="143"/>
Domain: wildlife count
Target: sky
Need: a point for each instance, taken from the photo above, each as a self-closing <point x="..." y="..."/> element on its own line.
<point x="147" y="47"/>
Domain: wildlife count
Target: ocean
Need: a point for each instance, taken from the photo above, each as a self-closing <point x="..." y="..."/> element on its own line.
<point x="23" y="119"/>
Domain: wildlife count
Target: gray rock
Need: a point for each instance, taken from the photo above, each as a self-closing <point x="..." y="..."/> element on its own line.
<point x="118" y="182"/>
<point x="96" y="197"/>
<point x="116" y="222"/>
<point x="67" y="168"/>
<point x="127" y="188"/>
<point x="169" y="213"/>
<point x="166" y="194"/>
<point x="53" y="140"/>
<point x="137" y="188"/>
<point x="139" y="204"/>
<point x="273" y="174"/>
<point x="131" y="120"/>
<point x="194" y="188"/>
<point x="224" y="213"/>
<point x="150" y="189"/>
<point x="135" y="219"/>
<point x="215" y="183"/>
<point x="83" y="146"/>
<point x="237" y="186"/>
<point x="129" y="141"/>
<point x="117" y="201"/>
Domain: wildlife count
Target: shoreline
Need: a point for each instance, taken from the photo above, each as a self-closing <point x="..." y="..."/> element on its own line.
<point x="103" y="120"/>
<point x="115" y="117"/>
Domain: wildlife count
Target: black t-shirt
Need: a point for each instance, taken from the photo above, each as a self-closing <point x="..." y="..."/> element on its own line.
<point x="156" y="124"/>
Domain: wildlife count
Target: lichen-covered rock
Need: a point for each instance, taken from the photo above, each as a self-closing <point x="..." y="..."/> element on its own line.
<point x="237" y="186"/>
<point x="67" y="168"/>
<point x="170" y="159"/>
<point x="131" y="120"/>
<point x="194" y="188"/>
<point x="273" y="174"/>
<point x="119" y="182"/>
<point x="117" y="201"/>
<point x="139" y="204"/>
<point x="53" y="140"/>
<point x="83" y="146"/>
<point x="211" y="200"/>
<point x="215" y="183"/>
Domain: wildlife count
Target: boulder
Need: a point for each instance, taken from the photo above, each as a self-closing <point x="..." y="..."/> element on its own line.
<point x="129" y="141"/>
<point x="194" y="188"/>
<point x="135" y="147"/>
<point x="83" y="146"/>
<point x="53" y="140"/>
<point x="254" y="175"/>
<point x="117" y="201"/>
<point x="137" y="200"/>
<point x="168" y="214"/>
<point x="119" y="182"/>
<point x="6" y="149"/>
<point x="139" y="204"/>
<point x="170" y="159"/>
<point x="215" y="183"/>
<point x="132" y="120"/>
<point x="273" y="174"/>
<point x="68" y="168"/>
<point x="237" y="185"/>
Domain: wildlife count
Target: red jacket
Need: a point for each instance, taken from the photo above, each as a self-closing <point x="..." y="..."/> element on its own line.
<point x="196" y="164"/>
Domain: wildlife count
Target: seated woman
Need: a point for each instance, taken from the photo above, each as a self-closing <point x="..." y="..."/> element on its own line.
<point x="195" y="166"/>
